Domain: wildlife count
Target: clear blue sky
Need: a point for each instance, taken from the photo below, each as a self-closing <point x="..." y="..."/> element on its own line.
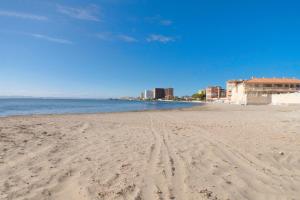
<point x="111" y="48"/>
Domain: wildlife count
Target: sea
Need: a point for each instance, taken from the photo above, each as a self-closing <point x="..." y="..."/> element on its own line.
<point x="33" y="106"/>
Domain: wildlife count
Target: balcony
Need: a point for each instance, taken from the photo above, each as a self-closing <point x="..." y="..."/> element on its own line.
<point x="272" y="89"/>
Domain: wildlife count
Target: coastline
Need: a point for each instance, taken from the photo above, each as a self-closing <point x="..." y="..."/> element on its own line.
<point x="95" y="113"/>
<point x="96" y="109"/>
<point x="199" y="106"/>
<point x="210" y="151"/>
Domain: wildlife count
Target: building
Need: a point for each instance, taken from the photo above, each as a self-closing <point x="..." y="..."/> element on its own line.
<point x="148" y="94"/>
<point x="163" y="93"/>
<point x="215" y="92"/>
<point x="187" y="98"/>
<point x="142" y="95"/>
<point x="159" y="93"/>
<point x="169" y="93"/>
<point x="230" y="85"/>
<point x="260" y="90"/>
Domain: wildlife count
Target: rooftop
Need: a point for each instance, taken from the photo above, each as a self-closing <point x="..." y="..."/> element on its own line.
<point x="235" y="81"/>
<point x="274" y="80"/>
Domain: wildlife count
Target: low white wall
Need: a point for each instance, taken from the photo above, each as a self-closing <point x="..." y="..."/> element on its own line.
<point x="258" y="99"/>
<point x="290" y="98"/>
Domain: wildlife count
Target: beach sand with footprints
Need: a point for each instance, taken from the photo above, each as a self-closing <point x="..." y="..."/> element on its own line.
<point x="214" y="151"/>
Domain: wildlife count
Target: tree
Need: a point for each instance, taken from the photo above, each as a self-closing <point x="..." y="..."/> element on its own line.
<point x="199" y="96"/>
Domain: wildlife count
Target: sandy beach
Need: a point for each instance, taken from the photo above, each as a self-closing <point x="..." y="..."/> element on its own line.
<point x="206" y="152"/>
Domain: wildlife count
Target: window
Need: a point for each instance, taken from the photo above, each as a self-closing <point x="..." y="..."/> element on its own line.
<point x="278" y="85"/>
<point x="267" y="85"/>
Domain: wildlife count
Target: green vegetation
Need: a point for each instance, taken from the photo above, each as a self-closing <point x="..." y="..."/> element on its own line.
<point x="199" y="96"/>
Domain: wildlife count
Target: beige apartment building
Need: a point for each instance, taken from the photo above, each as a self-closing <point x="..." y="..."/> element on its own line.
<point x="214" y="93"/>
<point x="169" y="93"/>
<point x="260" y="90"/>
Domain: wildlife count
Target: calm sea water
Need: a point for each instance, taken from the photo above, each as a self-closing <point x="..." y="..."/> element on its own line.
<point x="9" y="107"/>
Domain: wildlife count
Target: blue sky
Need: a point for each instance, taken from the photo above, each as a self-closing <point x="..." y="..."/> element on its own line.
<point x="112" y="48"/>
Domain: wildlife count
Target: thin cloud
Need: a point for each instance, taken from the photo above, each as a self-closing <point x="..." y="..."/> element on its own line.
<point x="157" y="19"/>
<point x="22" y="15"/>
<point x="51" y="39"/>
<point x="38" y="36"/>
<point x="89" y="13"/>
<point x="108" y="36"/>
<point x="127" y="38"/>
<point x="160" y="38"/>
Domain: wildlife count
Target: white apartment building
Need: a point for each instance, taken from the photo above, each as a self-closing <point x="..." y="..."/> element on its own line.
<point x="260" y="90"/>
<point x="148" y="94"/>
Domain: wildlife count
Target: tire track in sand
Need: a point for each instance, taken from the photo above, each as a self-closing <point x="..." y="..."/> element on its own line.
<point x="150" y="188"/>
<point x="165" y="174"/>
<point x="178" y="169"/>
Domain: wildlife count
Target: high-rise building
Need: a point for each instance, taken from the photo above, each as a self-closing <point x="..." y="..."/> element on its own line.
<point x="148" y="94"/>
<point x="159" y="93"/>
<point x="169" y="93"/>
<point x="142" y="95"/>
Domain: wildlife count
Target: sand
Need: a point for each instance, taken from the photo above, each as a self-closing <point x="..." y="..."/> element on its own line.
<point x="209" y="152"/>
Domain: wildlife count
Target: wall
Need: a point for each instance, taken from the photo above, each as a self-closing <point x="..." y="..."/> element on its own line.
<point x="259" y="99"/>
<point x="290" y="98"/>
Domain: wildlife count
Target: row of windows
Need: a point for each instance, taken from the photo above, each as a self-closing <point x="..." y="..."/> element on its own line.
<point x="278" y="85"/>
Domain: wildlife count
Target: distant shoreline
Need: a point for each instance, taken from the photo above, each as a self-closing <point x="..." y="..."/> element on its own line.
<point x="100" y="113"/>
<point x="77" y="98"/>
<point x="38" y="106"/>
